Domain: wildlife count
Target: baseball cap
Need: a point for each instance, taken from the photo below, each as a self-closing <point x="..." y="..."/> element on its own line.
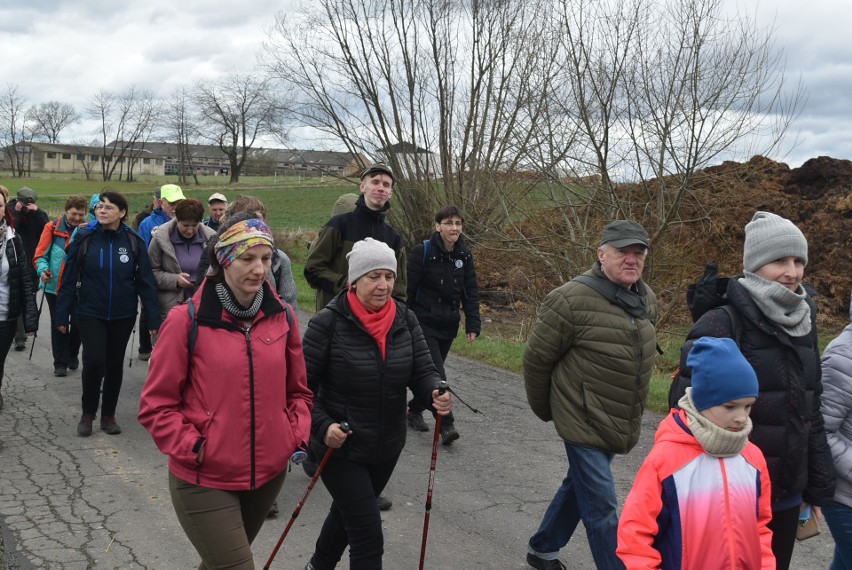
<point x="27" y="195"/>
<point x="378" y="168"/>
<point x="622" y="233"/>
<point x="216" y="197"/>
<point x="171" y="193"/>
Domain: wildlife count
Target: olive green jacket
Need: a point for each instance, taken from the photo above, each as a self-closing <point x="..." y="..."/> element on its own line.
<point x="588" y="364"/>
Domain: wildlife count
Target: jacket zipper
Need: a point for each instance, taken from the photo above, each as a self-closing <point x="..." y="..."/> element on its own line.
<point x="728" y="526"/>
<point x="252" y="435"/>
<point x="109" y="304"/>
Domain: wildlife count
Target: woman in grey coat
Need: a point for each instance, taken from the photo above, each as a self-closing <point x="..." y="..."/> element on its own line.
<point x="837" y="412"/>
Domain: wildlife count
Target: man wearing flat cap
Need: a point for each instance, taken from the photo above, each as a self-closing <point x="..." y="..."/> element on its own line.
<point x="587" y="367"/>
<point x="29" y="223"/>
<point x="326" y="268"/>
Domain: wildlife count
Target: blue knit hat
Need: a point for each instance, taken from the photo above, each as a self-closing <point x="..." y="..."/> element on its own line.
<point x="720" y="373"/>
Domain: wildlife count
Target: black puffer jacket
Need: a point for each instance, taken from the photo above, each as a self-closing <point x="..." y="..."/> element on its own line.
<point x="439" y="285"/>
<point x="21" y="294"/>
<point x="351" y="381"/>
<point x="788" y="425"/>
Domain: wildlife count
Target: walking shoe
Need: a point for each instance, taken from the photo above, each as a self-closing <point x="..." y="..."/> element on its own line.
<point x="448" y="435"/>
<point x="273" y="510"/>
<point x="415" y="421"/>
<point x="60" y="371"/>
<point x="384" y="503"/>
<point x="542" y="564"/>
<point x="74" y="364"/>
<point x="109" y="426"/>
<point x="84" y="428"/>
<point x="20" y="345"/>
<point x="144" y="356"/>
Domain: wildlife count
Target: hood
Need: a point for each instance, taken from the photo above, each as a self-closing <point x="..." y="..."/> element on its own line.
<point x="674" y="429"/>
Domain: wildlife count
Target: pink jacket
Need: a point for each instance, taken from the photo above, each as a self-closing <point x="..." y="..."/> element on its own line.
<point x="244" y="393"/>
<point x="689" y="509"/>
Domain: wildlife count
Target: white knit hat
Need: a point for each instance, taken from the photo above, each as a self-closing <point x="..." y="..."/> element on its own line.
<point x="368" y="255"/>
<point x="769" y="237"/>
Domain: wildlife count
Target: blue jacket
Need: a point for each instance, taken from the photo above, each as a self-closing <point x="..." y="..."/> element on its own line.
<point x="111" y="278"/>
<point x="146" y="226"/>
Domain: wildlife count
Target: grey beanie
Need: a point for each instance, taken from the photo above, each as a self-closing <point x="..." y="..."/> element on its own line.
<point x="769" y="237"/>
<point x="368" y="255"/>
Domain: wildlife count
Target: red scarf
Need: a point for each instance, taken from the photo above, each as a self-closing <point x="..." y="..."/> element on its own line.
<point x="377" y="322"/>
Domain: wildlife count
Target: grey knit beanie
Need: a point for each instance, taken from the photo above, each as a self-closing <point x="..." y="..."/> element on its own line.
<point x="368" y="255"/>
<point x="769" y="237"/>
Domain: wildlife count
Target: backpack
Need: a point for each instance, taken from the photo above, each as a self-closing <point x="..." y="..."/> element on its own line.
<point x="706" y="294"/>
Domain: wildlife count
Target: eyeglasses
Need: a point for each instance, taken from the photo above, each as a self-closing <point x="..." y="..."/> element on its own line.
<point x="105" y="207"/>
<point x="452" y="224"/>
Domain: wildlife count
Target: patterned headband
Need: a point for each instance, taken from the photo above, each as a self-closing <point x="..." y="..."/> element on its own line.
<point x="239" y="238"/>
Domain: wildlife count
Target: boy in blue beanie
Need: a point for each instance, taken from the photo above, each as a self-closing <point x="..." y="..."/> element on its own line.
<point x="702" y="498"/>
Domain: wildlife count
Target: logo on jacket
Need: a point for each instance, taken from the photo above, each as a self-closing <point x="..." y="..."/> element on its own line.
<point x="459" y="264"/>
<point x="122" y="255"/>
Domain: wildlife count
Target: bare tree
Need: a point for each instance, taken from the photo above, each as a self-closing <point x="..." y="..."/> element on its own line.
<point x="181" y="127"/>
<point x="16" y="130"/>
<point x="234" y="112"/>
<point x="126" y="121"/>
<point x="443" y="90"/>
<point x="53" y="117"/>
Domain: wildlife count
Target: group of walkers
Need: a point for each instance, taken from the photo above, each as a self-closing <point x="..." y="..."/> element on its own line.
<point x="762" y="430"/>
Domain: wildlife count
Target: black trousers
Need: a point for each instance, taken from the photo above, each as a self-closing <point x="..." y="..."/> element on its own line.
<point x="354" y="518"/>
<point x="145" y="345"/>
<point x="439" y="348"/>
<point x="66" y="346"/>
<point x="104" y="343"/>
<point x="7" y="336"/>
<point x="20" y="333"/>
<point x="783" y="526"/>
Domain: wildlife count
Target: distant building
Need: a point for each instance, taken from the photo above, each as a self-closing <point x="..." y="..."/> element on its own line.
<point x="73" y="158"/>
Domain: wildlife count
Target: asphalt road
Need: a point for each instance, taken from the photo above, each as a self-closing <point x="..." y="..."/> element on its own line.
<point x="68" y="502"/>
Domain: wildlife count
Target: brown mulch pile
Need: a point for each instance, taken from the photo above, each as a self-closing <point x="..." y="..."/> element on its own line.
<point x="817" y="197"/>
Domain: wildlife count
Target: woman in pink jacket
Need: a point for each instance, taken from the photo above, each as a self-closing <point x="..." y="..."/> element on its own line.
<point x="230" y="422"/>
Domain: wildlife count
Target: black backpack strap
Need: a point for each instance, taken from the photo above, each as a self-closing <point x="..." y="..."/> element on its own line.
<point x="193" y="326"/>
<point x="427" y="252"/>
<point x="736" y="322"/>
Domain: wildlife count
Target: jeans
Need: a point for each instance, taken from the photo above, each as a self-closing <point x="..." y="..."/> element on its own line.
<point x="354" y="518"/>
<point x="839" y="519"/>
<point x="588" y="494"/>
<point x="222" y="524"/>
<point x="66" y="346"/>
<point x="104" y="343"/>
<point x="439" y="349"/>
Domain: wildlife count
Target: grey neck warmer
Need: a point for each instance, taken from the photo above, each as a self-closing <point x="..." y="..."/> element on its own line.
<point x="715" y="440"/>
<point x="230" y="304"/>
<point x="787" y="309"/>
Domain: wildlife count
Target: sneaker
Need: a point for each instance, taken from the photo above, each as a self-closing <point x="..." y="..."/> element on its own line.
<point x="109" y="426"/>
<point x="20" y="345"/>
<point x="144" y="356"/>
<point x="542" y="564"/>
<point x="384" y="503"/>
<point x="60" y="371"/>
<point x="84" y="428"/>
<point x="74" y="364"/>
<point x="273" y="510"/>
<point x="415" y="421"/>
<point x="448" y="435"/>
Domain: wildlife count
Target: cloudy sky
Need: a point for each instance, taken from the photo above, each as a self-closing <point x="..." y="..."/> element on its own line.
<point x="66" y="50"/>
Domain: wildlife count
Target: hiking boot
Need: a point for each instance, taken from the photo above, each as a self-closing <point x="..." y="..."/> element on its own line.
<point x="542" y="564"/>
<point x="144" y="356"/>
<point x="449" y="434"/>
<point x="415" y="421"/>
<point x="74" y="364"/>
<point x="84" y="428"/>
<point x="273" y="510"/>
<point x="384" y="503"/>
<point x="20" y="345"/>
<point x="60" y="371"/>
<point x="109" y="426"/>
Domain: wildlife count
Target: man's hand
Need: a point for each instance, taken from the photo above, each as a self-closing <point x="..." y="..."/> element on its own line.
<point x="46" y="276"/>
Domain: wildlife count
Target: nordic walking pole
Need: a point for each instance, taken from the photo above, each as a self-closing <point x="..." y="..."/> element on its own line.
<point x="344" y="427"/>
<point x="442" y="387"/>
<point x="40" y="305"/>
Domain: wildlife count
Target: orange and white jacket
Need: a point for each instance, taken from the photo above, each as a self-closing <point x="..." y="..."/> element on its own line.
<point x="692" y="510"/>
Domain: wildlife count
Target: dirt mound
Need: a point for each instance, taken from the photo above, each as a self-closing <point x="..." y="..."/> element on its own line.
<point x="817" y="197"/>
